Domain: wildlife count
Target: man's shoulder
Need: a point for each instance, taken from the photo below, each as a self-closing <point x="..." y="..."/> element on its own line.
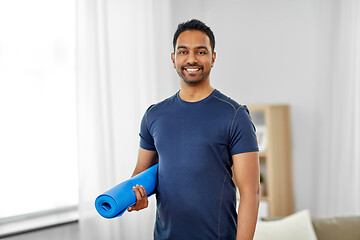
<point x="226" y="101"/>
<point x="160" y="105"/>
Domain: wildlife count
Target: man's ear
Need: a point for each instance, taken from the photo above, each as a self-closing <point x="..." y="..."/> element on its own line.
<point x="173" y="59"/>
<point x="213" y="59"/>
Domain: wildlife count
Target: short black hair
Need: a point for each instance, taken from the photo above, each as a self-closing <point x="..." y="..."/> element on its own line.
<point x="195" y="24"/>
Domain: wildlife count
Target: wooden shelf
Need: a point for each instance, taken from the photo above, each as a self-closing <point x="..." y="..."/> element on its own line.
<point x="273" y="129"/>
<point x="264" y="198"/>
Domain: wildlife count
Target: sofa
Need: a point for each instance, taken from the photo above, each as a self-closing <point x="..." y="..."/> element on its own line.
<point x="340" y="228"/>
<point x="302" y="226"/>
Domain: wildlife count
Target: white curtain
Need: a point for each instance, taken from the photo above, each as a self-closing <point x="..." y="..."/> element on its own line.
<point x="337" y="186"/>
<point x="123" y="66"/>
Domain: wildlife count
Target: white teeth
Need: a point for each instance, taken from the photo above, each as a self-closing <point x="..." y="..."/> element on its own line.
<point x="192" y="69"/>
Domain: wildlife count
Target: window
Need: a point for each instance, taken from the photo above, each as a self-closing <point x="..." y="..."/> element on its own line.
<point x="38" y="156"/>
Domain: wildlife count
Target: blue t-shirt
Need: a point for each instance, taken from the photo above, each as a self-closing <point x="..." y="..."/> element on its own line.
<point x="196" y="196"/>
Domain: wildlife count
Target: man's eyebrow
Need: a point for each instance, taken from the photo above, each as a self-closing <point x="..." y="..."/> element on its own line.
<point x="198" y="47"/>
<point x="202" y="47"/>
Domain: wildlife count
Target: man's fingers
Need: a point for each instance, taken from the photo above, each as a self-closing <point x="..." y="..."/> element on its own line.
<point x="142" y="191"/>
<point x="141" y="198"/>
<point x="137" y="193"/>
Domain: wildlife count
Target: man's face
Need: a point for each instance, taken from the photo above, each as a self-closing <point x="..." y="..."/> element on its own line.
<point x="193" y="57"/>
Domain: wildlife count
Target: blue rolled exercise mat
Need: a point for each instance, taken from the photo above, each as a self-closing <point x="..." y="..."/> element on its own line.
<point x="114" y="202"/>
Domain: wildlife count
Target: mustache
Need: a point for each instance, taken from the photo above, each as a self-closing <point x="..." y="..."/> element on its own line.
<point x="191" y="65"/>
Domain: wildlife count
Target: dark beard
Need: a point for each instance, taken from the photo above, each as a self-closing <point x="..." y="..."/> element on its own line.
<point x="190" y="82"/>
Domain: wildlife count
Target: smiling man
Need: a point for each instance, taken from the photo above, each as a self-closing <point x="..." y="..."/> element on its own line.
<point x="199" y="137"/>
<point x="193" y="61"/>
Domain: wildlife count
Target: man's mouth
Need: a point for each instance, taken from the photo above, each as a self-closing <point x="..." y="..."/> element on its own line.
<point x="192" y="69"/>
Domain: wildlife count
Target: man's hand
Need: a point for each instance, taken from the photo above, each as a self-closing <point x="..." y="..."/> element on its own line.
<point x="141" y="199"/>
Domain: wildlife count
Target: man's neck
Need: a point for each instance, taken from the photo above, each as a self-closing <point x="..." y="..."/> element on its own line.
<point x="195" y="93"/>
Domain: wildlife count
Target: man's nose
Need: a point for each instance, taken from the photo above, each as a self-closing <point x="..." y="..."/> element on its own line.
<point x="192" y="58"/>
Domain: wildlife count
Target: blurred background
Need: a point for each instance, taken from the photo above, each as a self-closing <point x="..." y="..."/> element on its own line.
<point x="77" y="76"/>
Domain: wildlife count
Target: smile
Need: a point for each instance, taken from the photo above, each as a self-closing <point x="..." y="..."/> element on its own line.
<point x="192" y="70"/>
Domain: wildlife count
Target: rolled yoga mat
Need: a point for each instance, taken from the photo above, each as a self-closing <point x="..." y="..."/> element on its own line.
<point x="114" y="202"/>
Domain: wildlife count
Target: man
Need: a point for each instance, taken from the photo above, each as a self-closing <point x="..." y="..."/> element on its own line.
<point x="197" y="136"/>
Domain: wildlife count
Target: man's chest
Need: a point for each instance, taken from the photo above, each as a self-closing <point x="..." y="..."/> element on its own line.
<point x="190" y="130"/>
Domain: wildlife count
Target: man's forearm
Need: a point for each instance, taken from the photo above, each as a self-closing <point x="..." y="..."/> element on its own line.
<point x="247" y="216"/>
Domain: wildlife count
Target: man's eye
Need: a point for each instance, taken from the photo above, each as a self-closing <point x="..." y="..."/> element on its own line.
<point x="182" y="52"/>
<point x="201" y="52"/>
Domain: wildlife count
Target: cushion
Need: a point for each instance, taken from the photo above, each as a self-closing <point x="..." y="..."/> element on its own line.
<point x="297" y="226"/>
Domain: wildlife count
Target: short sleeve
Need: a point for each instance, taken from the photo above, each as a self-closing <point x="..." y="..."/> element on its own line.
<point x="242" y="133"/>
<point x="146" y="139"/>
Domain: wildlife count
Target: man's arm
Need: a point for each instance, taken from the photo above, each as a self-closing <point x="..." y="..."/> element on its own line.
<point x="145" y="160"/>
<point x="247" y="178"/>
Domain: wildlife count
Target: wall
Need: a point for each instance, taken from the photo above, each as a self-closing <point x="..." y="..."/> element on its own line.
<point x="266" y="53"/>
